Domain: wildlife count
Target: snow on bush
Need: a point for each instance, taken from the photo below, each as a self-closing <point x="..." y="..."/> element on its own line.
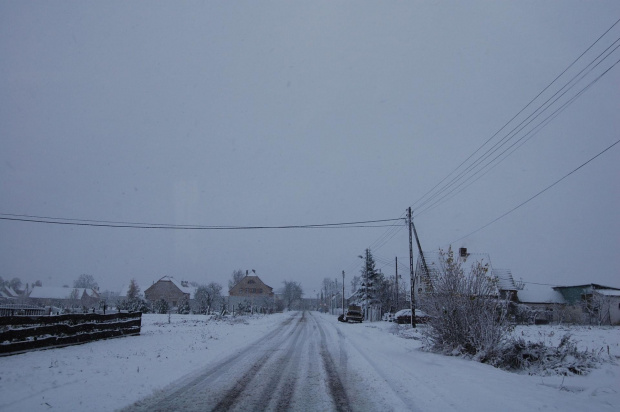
<point x="538" y="358"/>
<point x="466" y="317"/>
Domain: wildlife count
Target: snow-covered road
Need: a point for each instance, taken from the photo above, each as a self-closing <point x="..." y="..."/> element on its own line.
<point x="294" y="361"/>
<point x="300" y="365"/>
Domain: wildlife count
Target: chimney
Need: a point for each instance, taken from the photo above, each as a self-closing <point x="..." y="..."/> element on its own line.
<point x="463" y="252"/>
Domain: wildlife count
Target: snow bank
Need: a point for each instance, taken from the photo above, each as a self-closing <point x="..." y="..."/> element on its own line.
<point x="110" y="374"/>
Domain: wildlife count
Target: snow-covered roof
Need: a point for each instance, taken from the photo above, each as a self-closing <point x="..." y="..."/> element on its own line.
<point x="539" y="294"/>
<point x="52" y="292"/>
<point x="588" y="286"/>
<point x="9" y="292"/>
<point x="185" y="289"/>
<point x="608" y="292"/>
<point x="504" y="278"/>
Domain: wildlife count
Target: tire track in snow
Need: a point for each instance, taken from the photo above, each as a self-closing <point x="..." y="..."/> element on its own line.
<point x="231" y="397"/>
<point x="283" y="367"/>
<point x="336" y="388"/>
<point x="197" y="383"/>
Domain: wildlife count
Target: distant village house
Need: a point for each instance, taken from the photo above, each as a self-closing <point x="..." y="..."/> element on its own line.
<point x="64" y="297"/>
<point x="170" y="290"/>
<point x="251" y="294"/>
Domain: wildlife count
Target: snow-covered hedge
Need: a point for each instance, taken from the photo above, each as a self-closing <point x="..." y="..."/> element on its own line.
<point x="538" y="358"/>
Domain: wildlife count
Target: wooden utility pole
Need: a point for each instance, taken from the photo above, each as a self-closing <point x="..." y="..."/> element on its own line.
<point x="396" y="306"/>
<point x="366" y="311"/>
<point x="343" y="293"/>
<point x="412" y="279"/>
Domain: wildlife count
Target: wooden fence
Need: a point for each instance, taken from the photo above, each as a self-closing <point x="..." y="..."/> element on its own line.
<point x="26" y="333"/>
<point x="12" y="309"/>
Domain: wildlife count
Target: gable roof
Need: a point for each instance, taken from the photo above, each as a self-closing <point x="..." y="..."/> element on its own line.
<point x="589" y="286"/>
<point x="504" y="278"/>
<point x="251" y="280"/>
<point x="185" y="289"/>
<point x="52" y="292"/>
<point x="9" y="292"/>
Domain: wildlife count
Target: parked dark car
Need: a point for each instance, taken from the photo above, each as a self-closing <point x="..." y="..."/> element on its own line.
<point x="404" y="316"/>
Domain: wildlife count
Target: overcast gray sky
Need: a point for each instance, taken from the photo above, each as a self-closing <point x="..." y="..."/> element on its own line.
<point x="279" y="113"/>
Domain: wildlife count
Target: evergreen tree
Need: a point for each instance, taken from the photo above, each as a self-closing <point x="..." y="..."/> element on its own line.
<point x="133" y="292"/>
<point x="371" y="289"/>
<point x="134" y="302"/>
<point x="161" y="306"/>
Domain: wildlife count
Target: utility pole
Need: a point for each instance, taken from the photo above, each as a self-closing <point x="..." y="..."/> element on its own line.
<point x="367" y="267"/>
<point x="410" y="221"/>
<point x="396" y="307"/>
<point x="343" y="293"/>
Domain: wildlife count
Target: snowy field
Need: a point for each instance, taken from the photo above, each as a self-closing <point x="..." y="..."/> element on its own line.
<point x="107" y="375"/>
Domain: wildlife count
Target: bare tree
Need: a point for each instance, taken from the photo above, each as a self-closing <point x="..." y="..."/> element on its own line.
<point x="207" y="297"/>
<point x="291" y="293"/>
<point x="597" y="308"/>
<point x="86" y="281"/>
<point x="237" y="275"/>
<point x="15" y="284"/>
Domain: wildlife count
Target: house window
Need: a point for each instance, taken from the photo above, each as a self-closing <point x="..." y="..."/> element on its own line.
<point x="260" y="291"/>
<point x="174" y="303"/>
<point x="253" y="290"/>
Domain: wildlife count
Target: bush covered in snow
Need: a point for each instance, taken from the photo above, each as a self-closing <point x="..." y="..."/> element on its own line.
<point x="538" y="358"/>
<point x="134" y="305"/>
<point x="466" y="316"/>
<point x="468" y="319"/>
<point x="161" y="306"/>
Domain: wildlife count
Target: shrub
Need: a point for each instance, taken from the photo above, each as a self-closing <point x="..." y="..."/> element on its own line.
<point x="184" y="307"/>
<point x="539" y="359"/>
<point x="161" y="306"/>
<point x="466" y="315"/>
<point x="134" y="305"/>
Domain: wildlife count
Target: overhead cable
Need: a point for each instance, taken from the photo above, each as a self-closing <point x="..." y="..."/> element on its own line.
<point x="537" y="194"/>
<point x="111" y="224"/>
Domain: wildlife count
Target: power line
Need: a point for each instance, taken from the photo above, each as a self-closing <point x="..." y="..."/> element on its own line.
<point x="479" y="162"/>
<point x="134" y="225"/>
<point x="483" y="162"/>
<point x="514" y="146"/>
<point x="462" y="173"/>
<point x="537" y="194"/>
